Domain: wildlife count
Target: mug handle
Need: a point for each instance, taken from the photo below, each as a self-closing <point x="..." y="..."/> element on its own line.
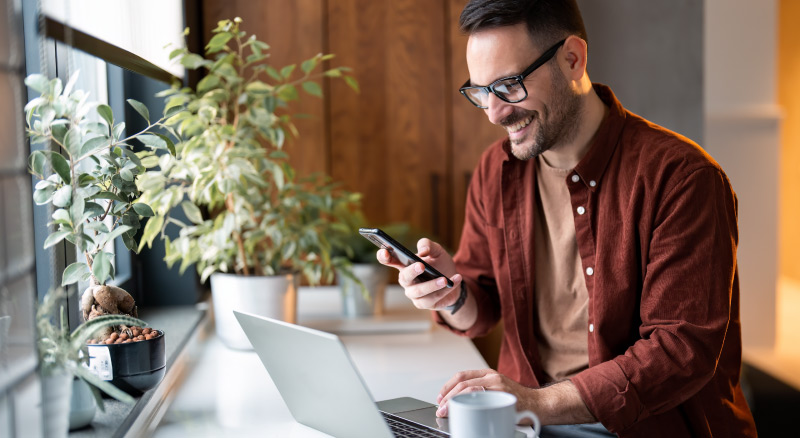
<point x="537" y="425"/>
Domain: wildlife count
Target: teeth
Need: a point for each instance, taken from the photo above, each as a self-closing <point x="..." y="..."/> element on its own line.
<point x="519" y="125"/>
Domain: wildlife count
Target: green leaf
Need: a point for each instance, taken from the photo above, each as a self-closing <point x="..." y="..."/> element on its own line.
<point x="106" y="113"/>
<point x="333" y="73"/>
<point x="120" y="230"/>
<point x="170" y="145"/>
<point x="312" y="88"/>
<point x="287" y="93"/>
<point x="109" y="195"/>
<point x="352" y="82"/>
<point x="308" y="65"/>
<point x="218" y="41"/>
<point x="126" y="174"/>
<point x="63" y="197"/>
<point x="56" y="237"/>
<point x="61" y="166"/>
<point x="153" y="140"/>
<point x="93" y="145"/>
<point x="101" y="266"/>
<point x="192" y="212"/>
<point x="72" y="141"/>
<point x="287" y="71"/>
<point x="192" y="61"/>
<point x="143" y="209"/>
<point x="44" y="195"/>
<point x="151" y="230"/>
<point x="74" y="273"/>
<point x="140" y="108"/>
<point x="274" y="73"/>
<point x="207" y="83"/>
<point x="76" y="209"/>
<point x="132" y="156"/>
<point x="38" y="82"/>
<point x="36" y="163"/>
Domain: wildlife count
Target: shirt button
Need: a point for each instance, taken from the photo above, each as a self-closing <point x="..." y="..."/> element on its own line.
<point x="575" y="178"/>
<point x="589" y="271"/>
<point x="591" y="328"/>
<point x="592" y="183"/>
<point x="581" y="210"/>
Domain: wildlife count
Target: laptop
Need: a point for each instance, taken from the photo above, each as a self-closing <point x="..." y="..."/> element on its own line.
<point x="323" y="390"/>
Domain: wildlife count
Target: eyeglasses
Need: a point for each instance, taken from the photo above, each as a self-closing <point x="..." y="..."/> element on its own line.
<point x="510" y="89"/>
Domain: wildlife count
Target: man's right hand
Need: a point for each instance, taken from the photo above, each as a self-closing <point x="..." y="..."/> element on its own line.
<point x="433" y="294"/>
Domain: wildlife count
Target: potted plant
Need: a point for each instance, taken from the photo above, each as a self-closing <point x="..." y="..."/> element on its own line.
<point x="88" y="174"/>
<point x="64" y="356"/>
<point x="363" y="286"/>
<point x="253" y="227"/>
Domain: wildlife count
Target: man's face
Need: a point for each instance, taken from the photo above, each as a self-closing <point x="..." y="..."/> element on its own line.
<point x="548" y="117"/>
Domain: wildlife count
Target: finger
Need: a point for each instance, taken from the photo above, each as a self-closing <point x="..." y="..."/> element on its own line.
<point x="469" y="386"/>
<point x="385" y="258"/>
<point x="424" y="247"/>
<point x="426" y="296"/>
<point x="408" y="275"/>
<point x="459" y="377"/>
<point x="450" y="298"/>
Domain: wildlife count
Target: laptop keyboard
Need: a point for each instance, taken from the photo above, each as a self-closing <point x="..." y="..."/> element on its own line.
<point x="402" y="428"/>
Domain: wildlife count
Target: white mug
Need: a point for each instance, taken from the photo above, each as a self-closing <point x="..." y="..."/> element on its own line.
<point x="490" y="414"/>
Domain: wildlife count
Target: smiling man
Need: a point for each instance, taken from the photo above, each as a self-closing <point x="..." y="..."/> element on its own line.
<point x="604" y="243"/>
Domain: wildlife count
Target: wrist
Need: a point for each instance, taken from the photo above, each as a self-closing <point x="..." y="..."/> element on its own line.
<point x="462" y="298"/>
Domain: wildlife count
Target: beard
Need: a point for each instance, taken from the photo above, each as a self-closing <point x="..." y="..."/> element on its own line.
<point x="556" y="125"/>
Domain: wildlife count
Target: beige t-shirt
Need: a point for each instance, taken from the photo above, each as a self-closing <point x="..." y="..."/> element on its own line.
<point x="561" y="296"/>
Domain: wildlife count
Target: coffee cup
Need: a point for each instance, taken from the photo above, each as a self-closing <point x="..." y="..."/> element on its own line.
<point x="490" y="414"/>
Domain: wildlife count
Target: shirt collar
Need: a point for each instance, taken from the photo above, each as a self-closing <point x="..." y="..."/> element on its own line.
<point x="592" y="166"/>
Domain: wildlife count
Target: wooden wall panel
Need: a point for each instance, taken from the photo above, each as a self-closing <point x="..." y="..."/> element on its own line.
<point x="294" y="29"/>
<point x="472" y="132"/>
<point x="389" y="141"/>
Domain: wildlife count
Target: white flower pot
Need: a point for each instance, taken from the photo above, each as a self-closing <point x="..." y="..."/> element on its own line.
<point x="354" y="303"/>
<point x="82" y="406"/>
<point x="273" y="297"/>
<point x="56" y="394"/>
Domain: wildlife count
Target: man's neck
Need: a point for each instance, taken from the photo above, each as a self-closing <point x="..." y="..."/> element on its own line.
<point x="568" y="155"/>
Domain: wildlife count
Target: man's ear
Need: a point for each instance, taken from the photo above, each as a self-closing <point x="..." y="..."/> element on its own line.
<point x="573" y="57"/>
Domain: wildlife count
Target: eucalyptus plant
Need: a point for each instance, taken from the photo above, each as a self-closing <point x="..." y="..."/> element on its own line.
<point x="88" y="172"/>
<point x="63" y="352"/>
<point x="247" y="211"/>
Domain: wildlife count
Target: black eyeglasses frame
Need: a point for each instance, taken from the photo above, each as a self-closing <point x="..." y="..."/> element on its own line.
<point x="520" y="78"/>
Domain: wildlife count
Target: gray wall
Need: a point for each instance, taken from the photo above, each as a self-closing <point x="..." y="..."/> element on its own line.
<point x="651" y="54"/>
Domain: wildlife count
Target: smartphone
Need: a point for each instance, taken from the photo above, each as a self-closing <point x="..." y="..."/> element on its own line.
<point x="401" y="253"/>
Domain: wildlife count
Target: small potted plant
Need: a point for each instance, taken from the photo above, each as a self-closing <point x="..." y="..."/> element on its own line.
<point x="253" y="227"/>
<point x="63" y="358"/>
<point x="88" y="174"/>
<point x="363" y="286"/>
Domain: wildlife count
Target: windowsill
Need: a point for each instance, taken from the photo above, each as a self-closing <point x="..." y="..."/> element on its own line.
<point x="183" y="327"/>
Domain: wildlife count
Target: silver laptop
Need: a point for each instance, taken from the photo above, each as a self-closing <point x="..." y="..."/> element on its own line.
<point x="323" y="390"/>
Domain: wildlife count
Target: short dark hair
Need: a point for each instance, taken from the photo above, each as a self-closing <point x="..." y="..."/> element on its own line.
<point x="547" y="20"/>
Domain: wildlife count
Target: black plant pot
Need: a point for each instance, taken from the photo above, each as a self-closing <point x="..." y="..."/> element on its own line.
<point x="134" y="367"/>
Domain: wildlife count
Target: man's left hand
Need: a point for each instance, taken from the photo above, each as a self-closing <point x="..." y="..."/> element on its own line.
<point x="479" y="380"/>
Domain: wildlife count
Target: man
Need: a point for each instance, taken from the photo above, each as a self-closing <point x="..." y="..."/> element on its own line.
<point x="606" y="244"/>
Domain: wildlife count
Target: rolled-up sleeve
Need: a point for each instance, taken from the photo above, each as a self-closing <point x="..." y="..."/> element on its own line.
<point x="685" y="309"/>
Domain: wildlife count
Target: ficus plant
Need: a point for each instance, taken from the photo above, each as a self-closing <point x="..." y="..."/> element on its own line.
<point x="87" y="172"/>
<point x="248" y="213"/>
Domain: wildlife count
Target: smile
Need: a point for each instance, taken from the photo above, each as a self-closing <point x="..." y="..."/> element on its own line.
<point x="519" y="125"/>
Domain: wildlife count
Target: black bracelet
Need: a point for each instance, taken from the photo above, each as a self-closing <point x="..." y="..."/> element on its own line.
<point x="462" y="298"/>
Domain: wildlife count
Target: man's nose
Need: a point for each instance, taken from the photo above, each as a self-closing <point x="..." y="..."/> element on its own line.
<point x="498" y="109"/>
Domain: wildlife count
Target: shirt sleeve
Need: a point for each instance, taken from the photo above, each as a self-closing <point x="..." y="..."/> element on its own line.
<point x="689" y="280"/>
<point x="473" y="261"/>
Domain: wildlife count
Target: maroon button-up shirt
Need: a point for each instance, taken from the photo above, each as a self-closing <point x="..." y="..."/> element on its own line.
<point x="657" y="241"/>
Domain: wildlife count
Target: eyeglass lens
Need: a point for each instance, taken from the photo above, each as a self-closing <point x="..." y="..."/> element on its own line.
<point x="510" y="90"/>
